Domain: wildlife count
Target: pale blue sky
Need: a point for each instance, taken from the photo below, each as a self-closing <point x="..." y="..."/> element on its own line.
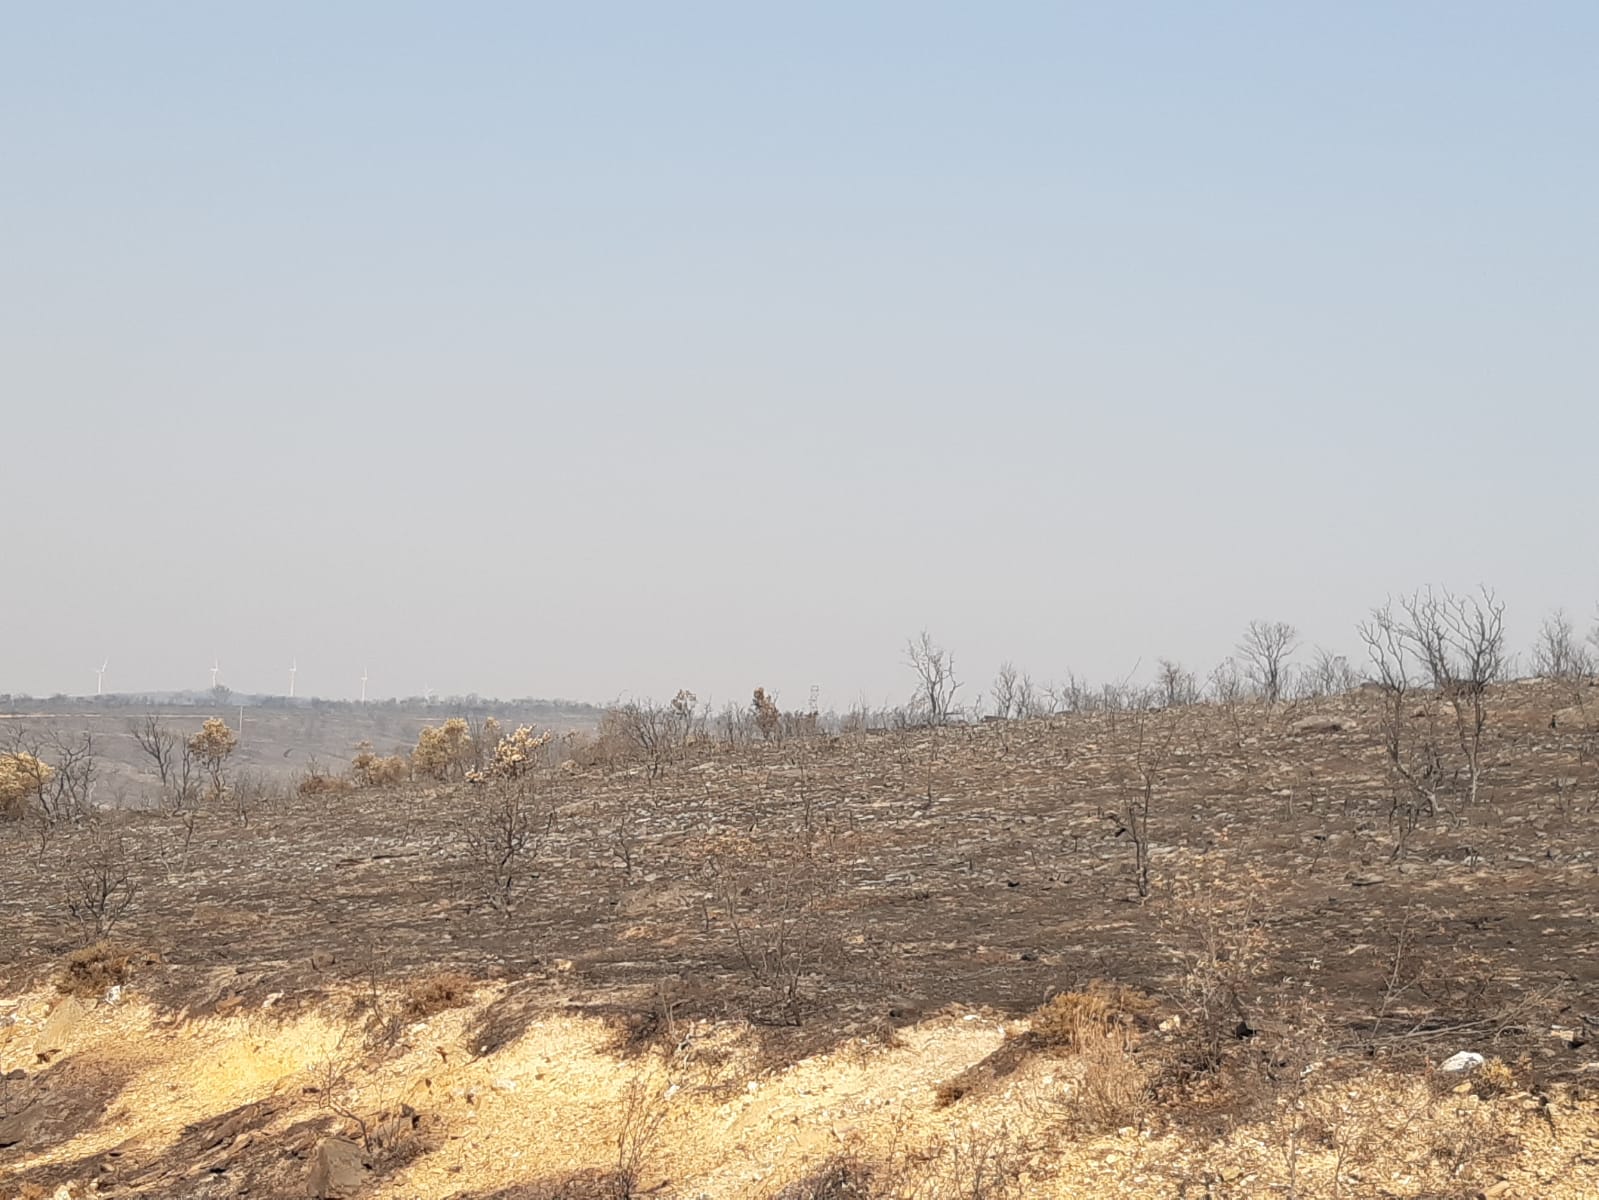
<point x="581" y="349"/>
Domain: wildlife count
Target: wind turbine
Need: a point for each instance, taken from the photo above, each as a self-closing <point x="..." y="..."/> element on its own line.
<point x="99" y="678"/>
<point x="216" y="668"/>
<point x="293" y="667"/>
<point x="363" y="685"/>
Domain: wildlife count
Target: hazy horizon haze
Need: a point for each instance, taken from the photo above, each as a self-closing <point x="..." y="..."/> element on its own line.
<point x="531" y="350"/>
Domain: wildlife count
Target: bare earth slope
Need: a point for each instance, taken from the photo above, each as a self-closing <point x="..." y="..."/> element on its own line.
<point x="779" y="969"/>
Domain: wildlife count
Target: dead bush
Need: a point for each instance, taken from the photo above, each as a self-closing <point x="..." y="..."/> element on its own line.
<point x="641" y="1114"/>
<point x="766" y="713"/>
<point x="318" y="783"/>
<point x="1112" y="1088"/>
<point x="95" y="970"/>
<point x="212" y="747"/>
<point x="655" y="733"/>
<point x="444" y="751"/>
<point x="502" y="826"/>
<point x="977" y="1162"/>
<point x="437" y="993"/>
<point x="771" y="897"/>
<point x="22" y="777"/>
<point x="100" y="882"/>
<point x="842" y="1177"/>
<point x="1068" y="1020"/>
<point x="1494" y="1078"/>
<point x="1222" y="949"/>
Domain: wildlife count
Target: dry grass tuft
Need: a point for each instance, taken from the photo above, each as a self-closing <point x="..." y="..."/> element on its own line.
<point x="438" y="993"/>
<point x="1072" y="1019"/>
<point x="1495" y="1078"/>
<point x="1113" y="1087"/>
<point x="91" y="972"/>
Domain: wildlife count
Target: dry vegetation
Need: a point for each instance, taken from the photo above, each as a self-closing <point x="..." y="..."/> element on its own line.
<point x="1148" y="946"/>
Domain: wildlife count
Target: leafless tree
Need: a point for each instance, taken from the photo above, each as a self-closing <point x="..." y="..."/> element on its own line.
<point x="652" y="729"/>
<point x="1072" y="696"/>
<point x="1016" y="697"/>
<point x="62" y="770"/>
<point x="1227" y="689"/>
<point x="101" y="883"/>
<point x="77" y="768"/>
<point x="1461" y="643"/>
<point x="158" y="742"/>
<point x="1265" y="649"/>
<point x="684" y="717"/>
<point x="767" y="716"/>
<point x="1030" y="702"/>
<point x="1004" y="691"/>
<point x="936" y="684"/>
<point x="186" y="776"/>
<point x="1414" y="761"/>
<point x="771" y="900"/>
<point x="1558" y="654"/>
<point x="501" y="830"/>
<point x="1176" y="685"/>
<point x="624" y="830"/>
<point x="1330" y="675"/>
<point x="735" y="724"/>
<point x="1152" y="737"/>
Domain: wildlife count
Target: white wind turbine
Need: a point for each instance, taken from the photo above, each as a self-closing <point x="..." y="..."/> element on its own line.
<point x="99" y="678"/>
<point x="216" y="669"/>
<point x="363" y="685"/>
<point x="293" y="667"/>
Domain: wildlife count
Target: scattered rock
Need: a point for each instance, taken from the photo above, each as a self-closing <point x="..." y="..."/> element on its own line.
<point x="321" y="960"/>
<point x="1466" y="1060"/>
<point x="228" y="1131"/>
<point x="1365" y="880"/>
<point x="229" y="1004"/>
<point x="338" y="1169"/>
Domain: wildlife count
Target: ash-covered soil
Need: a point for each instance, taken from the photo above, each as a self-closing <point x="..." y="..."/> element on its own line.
<point x="809" y="897"/>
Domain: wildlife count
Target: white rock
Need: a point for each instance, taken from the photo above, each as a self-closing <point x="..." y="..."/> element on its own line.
<point x="1466" y="1060"/>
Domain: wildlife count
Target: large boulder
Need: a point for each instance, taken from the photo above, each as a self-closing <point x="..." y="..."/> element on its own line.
<point x="338" y="1170"/>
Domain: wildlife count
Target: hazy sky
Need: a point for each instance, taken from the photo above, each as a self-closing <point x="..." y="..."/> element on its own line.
<point x="584" y="349"/>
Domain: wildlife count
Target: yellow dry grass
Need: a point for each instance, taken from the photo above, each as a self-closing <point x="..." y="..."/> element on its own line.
<point x="553" y="1099"/>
